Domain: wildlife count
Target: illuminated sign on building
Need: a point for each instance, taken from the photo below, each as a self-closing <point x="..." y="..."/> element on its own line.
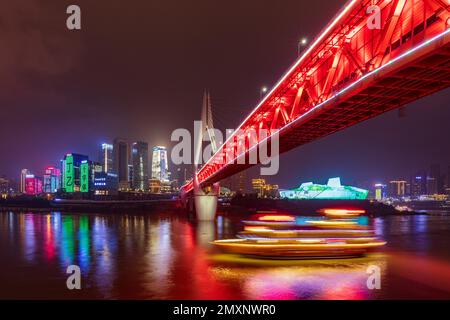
<point x="84" y="177"/>
<point x="69" y="174"/>
<point x="30" y="184"/>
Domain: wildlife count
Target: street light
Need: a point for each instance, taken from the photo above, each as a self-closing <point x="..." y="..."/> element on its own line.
<point x="262" y="92"/>
<point x="301" y="44"/>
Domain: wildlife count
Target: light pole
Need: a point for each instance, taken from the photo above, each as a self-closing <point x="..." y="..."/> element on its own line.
<point x="301" y="44"/>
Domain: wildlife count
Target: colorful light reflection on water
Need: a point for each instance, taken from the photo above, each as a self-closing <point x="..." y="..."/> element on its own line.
<point x="164" y="256"/>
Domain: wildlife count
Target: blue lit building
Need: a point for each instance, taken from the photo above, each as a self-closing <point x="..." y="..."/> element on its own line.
<point x="52" y="180"/>
<point x="105" y="184"/>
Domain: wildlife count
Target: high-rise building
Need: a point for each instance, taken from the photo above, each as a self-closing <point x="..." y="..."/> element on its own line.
<point x="241" y="182"/>
<point x="52" y="180"/>
<point x="95" y="168"/>
<point x="5" y="187"/>
<point x="435" y="180"/>
<point x="106" y="157"/>
<point x="121" y="162"/>
<point x="105" y="184"/>
<point x="139" y="155"/>
<point x="33" y="185"/>
<point x="397" y="188"/>
<point x="432" y="185"/>
<point x="75" y="173"/>
<point x="160" y="166"/>
<point x="408" y="188"/>
<point x="130" y="175"/>
<point x="23" y="175"/>
<point x="380" y="191"/>
<point x="419" y="184"/>
<point x="237" y="182"/>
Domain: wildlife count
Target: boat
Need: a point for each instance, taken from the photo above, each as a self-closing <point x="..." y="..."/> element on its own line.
<point x="337" y="234"/>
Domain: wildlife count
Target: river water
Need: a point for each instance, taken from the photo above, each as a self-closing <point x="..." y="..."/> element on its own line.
<point x="165" y="256"/>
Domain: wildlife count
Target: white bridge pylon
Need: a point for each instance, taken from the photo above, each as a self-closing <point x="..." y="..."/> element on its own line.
<point x="205" y="199"/>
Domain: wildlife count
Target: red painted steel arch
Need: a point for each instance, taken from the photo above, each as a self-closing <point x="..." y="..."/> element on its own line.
<point x="349" y="74"/>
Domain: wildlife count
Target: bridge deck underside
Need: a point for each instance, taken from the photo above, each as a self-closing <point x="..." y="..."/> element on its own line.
<point x="411" y="83"/>
<point x="424" y="77"/>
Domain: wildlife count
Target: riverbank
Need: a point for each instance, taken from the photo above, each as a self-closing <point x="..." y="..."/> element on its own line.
<point x="241" y="205"/>
<point x="88" y="206"/>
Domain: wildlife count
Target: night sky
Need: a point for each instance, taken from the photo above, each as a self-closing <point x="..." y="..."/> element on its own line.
<point x="137" y="70"/>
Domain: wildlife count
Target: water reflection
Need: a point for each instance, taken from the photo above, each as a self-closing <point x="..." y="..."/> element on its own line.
<point x="160" y="259"/>
<point x="29" y="238"/>
<point x="104" y="246"/>
<point x="165" y="256"/>
<point x="325" y="279"/>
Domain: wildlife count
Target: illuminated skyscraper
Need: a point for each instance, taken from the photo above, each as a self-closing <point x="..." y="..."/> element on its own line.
<point x="419" y="184"/>
<point x="33" y="185"/>
<point x="106" y="157"/>
<point x="52" y="180"/>
<point x="380" y="191"/>
<point x="75" y="173"/>
<point x="160" y="167"/>
<point x="130" y="175"/>
<point x="105" y="184"/>
<point x="121" y="162"/>
<point x="23" y="175"/>
<point x="139" y="154"/>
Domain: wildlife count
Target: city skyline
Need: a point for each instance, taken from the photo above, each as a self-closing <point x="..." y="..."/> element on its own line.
<point x="141" y="106"/>
<point x="438" y="174"/>
<point x="231" y="151"/>
<point x="287" y="159"/>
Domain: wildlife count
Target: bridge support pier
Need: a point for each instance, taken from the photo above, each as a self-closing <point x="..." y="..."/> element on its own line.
<point x="205" y="200"/>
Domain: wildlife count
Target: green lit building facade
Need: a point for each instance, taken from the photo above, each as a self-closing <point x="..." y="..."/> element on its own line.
<point x="333" y="190"/>
<point x="75" y="173"/>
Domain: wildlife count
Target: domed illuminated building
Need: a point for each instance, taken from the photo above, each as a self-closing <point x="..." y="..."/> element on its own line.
<point x="332" y="190"/>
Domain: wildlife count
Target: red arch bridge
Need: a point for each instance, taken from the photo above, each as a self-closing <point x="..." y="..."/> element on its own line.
<point x="353" y="71"/>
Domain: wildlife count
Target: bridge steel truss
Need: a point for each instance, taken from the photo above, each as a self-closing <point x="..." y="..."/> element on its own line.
<point x="350" y="73"/>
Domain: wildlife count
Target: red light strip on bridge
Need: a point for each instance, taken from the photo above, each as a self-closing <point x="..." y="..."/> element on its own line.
<point x="424" y="44"/>
<point x="295" y="65"/>
<point x="348" y="7"/>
